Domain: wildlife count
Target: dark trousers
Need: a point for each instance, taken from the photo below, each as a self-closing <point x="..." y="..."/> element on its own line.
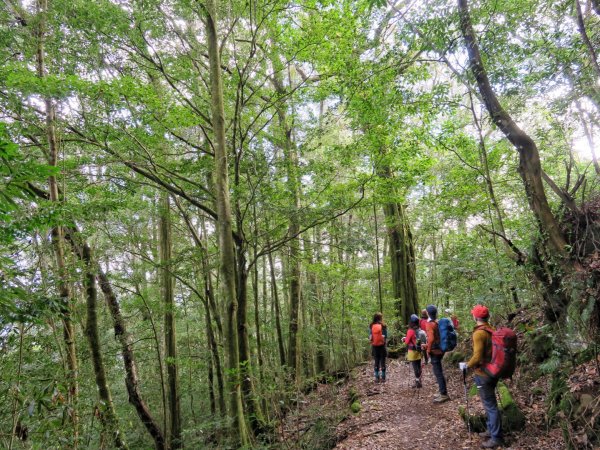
<point x="416" y="365"/>
<point x="438" y="371"/>
<point x="379" y="354"/>
<point x="486" y="387"/>
<point x="426" y="356"/>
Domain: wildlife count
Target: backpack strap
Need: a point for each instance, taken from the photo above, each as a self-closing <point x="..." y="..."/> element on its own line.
<point x="437" y="338"/>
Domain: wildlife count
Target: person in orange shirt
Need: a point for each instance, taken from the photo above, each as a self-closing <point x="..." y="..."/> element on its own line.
<point x="436" y="354"/>
<point x="378" y="338"/>
<point x="486" y="385"/>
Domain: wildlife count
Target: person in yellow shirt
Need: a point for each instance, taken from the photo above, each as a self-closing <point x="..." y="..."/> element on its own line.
<point x="486" y="385"/>
<point x="413" y="342"/>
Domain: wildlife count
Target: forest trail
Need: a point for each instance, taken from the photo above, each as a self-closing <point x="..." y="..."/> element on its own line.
<point x="396" y="416"/>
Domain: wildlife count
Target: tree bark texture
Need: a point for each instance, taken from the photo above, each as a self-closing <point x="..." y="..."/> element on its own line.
<point x="246" y="373"/>
<point x="107" y="413"/>
<point x="402" y="256"/>
<point x="57" y="234"/>
<point x="173" y="397"/>
<point x="293" y="185"/>
<point x="227" y="266"/>
<point x="276" y="305"/>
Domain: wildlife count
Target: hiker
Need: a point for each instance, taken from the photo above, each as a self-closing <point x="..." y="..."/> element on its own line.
<point x="436" y="354"/>
<point x="378" y="338"/>
<point x="455" y="321"/>
<point x="413" y="341"/>
<point x="423" y="326"/>
<point x="486" y="385"/>
<point x="453" y="318"/>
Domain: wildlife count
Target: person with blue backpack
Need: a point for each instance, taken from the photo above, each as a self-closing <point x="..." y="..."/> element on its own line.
<point x="441" y="338"/>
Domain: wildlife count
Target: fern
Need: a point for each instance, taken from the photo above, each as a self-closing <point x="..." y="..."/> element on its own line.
<point x="551" y="365"/>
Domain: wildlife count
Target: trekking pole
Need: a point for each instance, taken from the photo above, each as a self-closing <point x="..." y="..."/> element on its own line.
<point x="464" y="371"/>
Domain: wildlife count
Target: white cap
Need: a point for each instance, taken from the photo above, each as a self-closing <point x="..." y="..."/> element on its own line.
<point x="448" y="311"/>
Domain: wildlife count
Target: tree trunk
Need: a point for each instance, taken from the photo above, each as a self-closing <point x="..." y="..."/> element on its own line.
<point x="131" y="376"/>
<point x="106" y="410"/>
<point x="322" y="341"/>
<point x="291" y="156"/>
<point x="239" y="431"/>
<point x="552" y="245"/>
<point x="256" y="295"/>
<point x="131" y="379"/>
<point x="402" y="257"/>
<point x="210" y="308"/>
<point x="377" y="260"/>
<point x="529" y="158"/>
<point x="275" y="299"/>
<point x="174" y="433"/>
<point x="57" y="235"/>
<point x="250" y="399"/>
<point x="255" y="284"/>
<point x="591" y="52"/>
<point x="210" y="366"/>
<point x="216" y="358"/>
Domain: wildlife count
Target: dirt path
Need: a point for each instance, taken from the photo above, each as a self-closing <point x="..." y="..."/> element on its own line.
<point x="395" y="416"/>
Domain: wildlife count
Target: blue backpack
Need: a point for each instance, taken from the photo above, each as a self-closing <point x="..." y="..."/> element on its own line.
<point x="448" y="336"/>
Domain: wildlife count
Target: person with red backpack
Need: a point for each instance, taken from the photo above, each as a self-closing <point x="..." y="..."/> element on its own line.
<point x="378" y="338"/>
<point x="436" y="354"/>
<point x="486" y="384"/>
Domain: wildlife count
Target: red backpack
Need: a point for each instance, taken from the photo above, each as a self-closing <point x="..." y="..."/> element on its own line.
<point x="504" y="353"/>
<point x="377" y="338"/>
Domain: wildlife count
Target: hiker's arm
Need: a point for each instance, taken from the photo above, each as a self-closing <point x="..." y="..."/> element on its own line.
<point x="477" y="359"/>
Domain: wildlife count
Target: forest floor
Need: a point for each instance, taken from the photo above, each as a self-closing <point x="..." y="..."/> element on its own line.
<point x="395" y="416"/>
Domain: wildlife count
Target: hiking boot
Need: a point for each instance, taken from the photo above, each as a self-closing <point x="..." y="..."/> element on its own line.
<point x="441" y="399"/>
<point x="484" y="435"/>
<point x="492" y="443"/>
<point x="416" y="384"/>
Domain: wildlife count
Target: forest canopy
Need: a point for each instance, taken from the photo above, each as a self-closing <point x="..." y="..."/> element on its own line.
<point x="203" y="203"/>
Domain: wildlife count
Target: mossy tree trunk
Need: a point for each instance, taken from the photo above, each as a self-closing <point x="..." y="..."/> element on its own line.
<point x="550" y="255"/>
<point x="402" y="254"/>
<point x="57" y="231"/>
<point x="227" y="264"/>
<point x="106" y="410"/>
<point x="173" y="396"/>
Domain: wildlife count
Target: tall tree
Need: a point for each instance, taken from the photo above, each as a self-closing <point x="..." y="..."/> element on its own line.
<point x="530" y="171"/>
<point x="224" y="228"/>
<point x="57" y="230"/>
<point x="175" y="438"/>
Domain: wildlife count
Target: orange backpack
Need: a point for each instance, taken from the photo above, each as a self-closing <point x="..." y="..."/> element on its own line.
<point x="377" y="338"/>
